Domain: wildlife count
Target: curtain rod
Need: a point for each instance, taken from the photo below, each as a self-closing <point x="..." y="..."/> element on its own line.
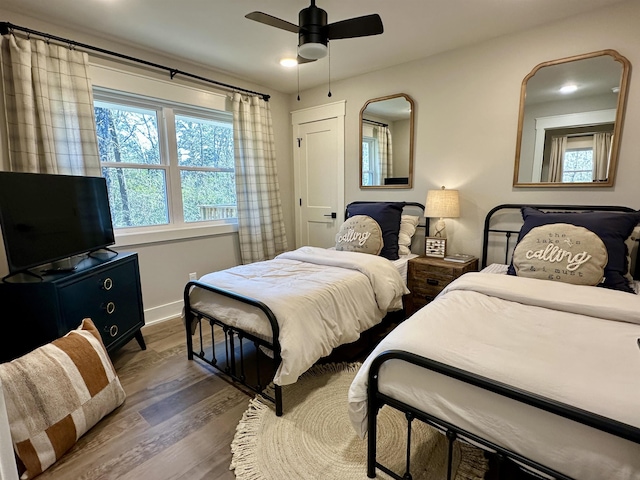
<point x="6" y="28"/>
<point x="375" y="123"/>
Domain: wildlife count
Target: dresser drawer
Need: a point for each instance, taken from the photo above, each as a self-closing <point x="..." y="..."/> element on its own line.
<point x="109" y="298"/>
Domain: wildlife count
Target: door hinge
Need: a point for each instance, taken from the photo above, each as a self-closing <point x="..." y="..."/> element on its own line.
<point x="300" y="202"/>
<point x="299" y="141"/>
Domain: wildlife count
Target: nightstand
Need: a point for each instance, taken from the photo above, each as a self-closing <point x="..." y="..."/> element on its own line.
<point x="427" y="277"/>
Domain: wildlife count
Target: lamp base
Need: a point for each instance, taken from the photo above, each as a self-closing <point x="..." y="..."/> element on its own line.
<point x="440" y="229"/>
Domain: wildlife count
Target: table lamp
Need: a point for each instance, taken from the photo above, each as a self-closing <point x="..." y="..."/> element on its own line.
<point x="442" y="204"/>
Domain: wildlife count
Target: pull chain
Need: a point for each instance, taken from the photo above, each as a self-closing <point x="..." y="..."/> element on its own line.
<point x="329" y="59"/>
<point x="298" y="68"/>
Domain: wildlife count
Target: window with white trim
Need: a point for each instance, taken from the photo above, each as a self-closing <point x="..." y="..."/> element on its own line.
<point x="370" y="166"/>
<point x="577" y="164"/>
<point x="166" y="165"/>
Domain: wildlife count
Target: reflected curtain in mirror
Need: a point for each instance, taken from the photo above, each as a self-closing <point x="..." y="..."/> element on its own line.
<point x="386" y="142"/>
<point x="580" y="99"/>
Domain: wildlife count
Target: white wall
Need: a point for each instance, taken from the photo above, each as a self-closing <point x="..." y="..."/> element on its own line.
<point x="467" y="113"/>
<point x="164" y="267"/>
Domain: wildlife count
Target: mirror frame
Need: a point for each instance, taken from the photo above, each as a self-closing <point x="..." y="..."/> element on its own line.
<point x="622" y="100"/>
<point x="411" y="141"/>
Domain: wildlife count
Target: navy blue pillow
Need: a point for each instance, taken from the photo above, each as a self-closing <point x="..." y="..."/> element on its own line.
<point x="388" y="215"/>
<point x="613" y="228"/>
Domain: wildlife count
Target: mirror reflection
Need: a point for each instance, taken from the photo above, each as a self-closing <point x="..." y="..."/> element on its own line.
<point x="386" y="142"/>
<point x="570" y="122"/>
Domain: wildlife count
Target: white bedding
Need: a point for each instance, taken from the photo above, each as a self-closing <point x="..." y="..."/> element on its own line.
<point x="574" y="344"/>
<point x="321" y="298"/>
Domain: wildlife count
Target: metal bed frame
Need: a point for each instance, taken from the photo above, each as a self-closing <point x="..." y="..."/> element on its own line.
<point x="376" y="399"/>
<point x="233" y="363"/>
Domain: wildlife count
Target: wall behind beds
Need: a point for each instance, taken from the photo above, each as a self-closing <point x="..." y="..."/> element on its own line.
<point x="467" y="103"/>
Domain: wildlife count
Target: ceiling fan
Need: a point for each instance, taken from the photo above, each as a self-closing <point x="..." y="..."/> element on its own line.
<point x="314" y="32"/>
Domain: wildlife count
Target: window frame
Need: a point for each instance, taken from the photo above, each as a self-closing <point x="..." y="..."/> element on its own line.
<point x="166" y="112"/>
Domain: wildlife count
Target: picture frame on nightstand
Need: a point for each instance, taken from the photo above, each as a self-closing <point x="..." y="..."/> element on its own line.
<point x="435" y="247"/>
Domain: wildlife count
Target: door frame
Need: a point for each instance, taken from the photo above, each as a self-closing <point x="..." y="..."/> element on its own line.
<point x="335" y="110"/>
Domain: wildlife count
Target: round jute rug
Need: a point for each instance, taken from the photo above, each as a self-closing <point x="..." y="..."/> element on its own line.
<point x="314" y="438"/>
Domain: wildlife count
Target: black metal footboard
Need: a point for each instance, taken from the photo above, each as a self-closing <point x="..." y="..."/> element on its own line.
<point x="376" y="400"/>
<point x="235" y="340"/>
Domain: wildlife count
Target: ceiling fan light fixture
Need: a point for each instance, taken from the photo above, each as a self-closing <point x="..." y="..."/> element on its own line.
<point x="312" y="50"/>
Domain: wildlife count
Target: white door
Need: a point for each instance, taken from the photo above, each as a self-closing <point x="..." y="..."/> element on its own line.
<point x="319" y="172"/>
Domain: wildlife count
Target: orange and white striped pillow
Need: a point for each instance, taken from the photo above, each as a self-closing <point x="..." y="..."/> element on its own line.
<point x="56" y="393"/>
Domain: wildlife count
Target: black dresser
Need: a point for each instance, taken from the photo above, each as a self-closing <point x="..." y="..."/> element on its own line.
<point x="104" y="287"/>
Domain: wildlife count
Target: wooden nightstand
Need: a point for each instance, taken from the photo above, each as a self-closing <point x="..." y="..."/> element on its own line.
<point x="427" y="277"/>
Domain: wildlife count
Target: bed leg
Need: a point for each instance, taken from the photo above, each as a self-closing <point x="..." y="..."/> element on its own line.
<point x="407" y="473"/>
<point x="371" y="440"/>
<point x="451" y="436"/>
<point x="278" y="394"/>
<point x="500" y="465"/>
<point x="188" y="319"/>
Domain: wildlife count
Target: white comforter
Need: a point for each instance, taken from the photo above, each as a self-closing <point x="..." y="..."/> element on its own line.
<point x="321" y="298"/>
<point x="575" y="344"/>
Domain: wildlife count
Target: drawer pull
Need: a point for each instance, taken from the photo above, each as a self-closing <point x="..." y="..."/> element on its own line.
<point x="113" y="330"/>
<point x="432" y="281"/>
<point x="110" y="308"/>
<point x="107" y="284"/>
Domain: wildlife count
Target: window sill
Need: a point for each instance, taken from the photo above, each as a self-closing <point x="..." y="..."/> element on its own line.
<point x="126" y="238"/>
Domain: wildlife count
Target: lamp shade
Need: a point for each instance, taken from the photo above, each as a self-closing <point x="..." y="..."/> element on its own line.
<point x="442" y="203"/>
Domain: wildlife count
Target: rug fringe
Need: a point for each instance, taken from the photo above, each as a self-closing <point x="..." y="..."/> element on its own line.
<point x="318" y="370"/>
<point x="243" y="458"/>
<point x="243" y="447"/>
<point x="475" y="463"/>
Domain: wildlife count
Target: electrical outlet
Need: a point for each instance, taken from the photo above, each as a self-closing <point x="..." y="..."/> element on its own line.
<point x="193" y="276"/>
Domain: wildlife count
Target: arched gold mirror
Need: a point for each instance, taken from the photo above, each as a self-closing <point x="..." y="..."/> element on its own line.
<point x="386" y="142"/>
<point x="570" y="121"/>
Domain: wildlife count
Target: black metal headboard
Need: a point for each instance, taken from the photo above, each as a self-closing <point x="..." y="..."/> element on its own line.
<point x="561" y="208"/>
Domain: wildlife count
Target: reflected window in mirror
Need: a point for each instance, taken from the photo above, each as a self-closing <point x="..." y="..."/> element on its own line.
<point x="386" y="142"/>
<point x="570" y="136"/>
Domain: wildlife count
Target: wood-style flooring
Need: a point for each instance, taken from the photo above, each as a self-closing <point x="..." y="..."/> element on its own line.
<point x="178" y="420"/>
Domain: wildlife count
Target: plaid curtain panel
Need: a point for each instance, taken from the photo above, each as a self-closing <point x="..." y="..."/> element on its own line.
<point x="48" y="109"/>
<point x="260" y="221"/>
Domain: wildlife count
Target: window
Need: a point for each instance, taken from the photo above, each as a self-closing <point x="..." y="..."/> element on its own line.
<point x="577" y="165"/>
<point x="370" y="166"/>
<point x="165" y="164"/>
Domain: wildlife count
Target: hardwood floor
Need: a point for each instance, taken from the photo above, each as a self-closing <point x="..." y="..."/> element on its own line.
<point x="179" y="417"/>
<point x="177" y="422"/>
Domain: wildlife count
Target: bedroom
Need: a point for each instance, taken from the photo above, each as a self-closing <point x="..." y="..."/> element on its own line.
<point x="467" y="109"/>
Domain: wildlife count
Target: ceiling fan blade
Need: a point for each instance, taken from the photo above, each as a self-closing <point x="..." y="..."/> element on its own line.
<point x="272" y="21"/>
<point x="355" y="27"/>
<point x="302" y="60"/>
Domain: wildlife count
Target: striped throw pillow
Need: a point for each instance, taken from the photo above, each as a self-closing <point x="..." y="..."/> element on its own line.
<point x="56" y="393"/>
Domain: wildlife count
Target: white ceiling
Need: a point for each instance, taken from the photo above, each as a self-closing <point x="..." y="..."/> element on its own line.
<point x="215" y="33"/>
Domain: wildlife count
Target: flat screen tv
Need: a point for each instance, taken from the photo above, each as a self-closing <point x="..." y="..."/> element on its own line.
<point x="46" y="217"/>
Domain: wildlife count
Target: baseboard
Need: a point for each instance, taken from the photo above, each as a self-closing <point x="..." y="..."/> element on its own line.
<point x="162" y="313"/>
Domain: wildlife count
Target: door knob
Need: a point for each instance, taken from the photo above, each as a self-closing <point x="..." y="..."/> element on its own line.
<point x="332" y="215"/>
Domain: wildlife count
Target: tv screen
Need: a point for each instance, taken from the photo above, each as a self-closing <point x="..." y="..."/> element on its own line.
<point x="45" y="217"/>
